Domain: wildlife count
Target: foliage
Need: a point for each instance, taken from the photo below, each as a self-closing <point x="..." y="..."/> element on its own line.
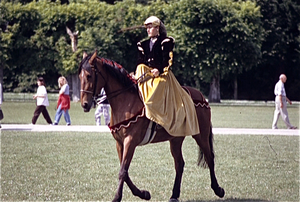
<point x="31" y="53"/>
<point x="218" y="38"/>
<point x="280" y="48"/>
<point x="5" y="39"/>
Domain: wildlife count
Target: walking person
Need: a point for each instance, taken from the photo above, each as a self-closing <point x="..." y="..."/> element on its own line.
<point x="41" y="102"/>
<point x="1" y="113"/>
<point x="63" y="103"/>
<point x="281" y="103"/>
<point x="103" y="108"/>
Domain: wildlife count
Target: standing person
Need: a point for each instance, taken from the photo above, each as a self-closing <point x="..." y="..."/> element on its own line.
<point x="41" y="102"/>
<point x="281" y="103"/>
<point x="63" y="103"/>
<point x="1" y="113"/>
<point x="166" y="103"/>
<point x="103" y="108"/>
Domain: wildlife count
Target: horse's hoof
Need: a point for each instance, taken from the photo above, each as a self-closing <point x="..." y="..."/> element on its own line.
<point x="116" y="200"/>
<point x="145" y="195"/>
<point x="220" y="192"/>
<point x="173" y="200"/>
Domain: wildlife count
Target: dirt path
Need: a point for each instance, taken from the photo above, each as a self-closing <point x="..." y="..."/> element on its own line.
<point x="87" y="128"/>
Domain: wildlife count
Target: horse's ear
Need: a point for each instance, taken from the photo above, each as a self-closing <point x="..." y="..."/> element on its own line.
<point x="93" y="57"/>
<point x="84" y="55"/>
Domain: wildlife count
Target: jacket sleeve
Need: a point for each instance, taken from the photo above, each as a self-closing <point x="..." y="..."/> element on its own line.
<point x="167" y="46"/>
<point x="141" y="54"/>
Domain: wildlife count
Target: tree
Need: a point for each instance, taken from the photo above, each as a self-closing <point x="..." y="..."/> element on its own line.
<point x="30" y="53"/>
<point x="4" y="41"/>
<point x="280" y="48"/>
<point x="216" y="38"/>
<point x="215" y="41"/>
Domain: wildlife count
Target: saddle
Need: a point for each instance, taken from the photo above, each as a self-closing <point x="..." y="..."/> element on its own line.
<point x="197" y="97"/>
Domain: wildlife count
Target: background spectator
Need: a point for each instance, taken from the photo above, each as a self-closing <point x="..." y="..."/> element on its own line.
<point x="103" y="108"/>
<point x="41" y="102"/>
<point x="63" y="103"/>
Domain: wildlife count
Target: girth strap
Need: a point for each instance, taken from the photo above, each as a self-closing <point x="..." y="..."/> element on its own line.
<point x="150" y="134"/>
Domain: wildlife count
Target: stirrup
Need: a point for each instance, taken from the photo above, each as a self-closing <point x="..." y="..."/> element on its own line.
<point x="158" y="127"/>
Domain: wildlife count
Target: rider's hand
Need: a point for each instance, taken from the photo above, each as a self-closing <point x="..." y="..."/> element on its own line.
<point x="155" y="72"/>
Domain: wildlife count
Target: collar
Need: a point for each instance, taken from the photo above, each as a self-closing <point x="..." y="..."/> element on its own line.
<point x="153" y="39"/>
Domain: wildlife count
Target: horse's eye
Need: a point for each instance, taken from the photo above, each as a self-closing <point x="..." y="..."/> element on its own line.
<point x="89" y="77"/>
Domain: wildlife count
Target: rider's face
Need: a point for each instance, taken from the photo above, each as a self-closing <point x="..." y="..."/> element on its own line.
<point x="152" y="31"/>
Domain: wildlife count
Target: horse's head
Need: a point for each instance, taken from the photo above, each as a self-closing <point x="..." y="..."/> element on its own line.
<point x="95" y="73"/>
<point x="90" y="84"/>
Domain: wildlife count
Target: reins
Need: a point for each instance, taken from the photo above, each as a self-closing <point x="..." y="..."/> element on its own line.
<point x="141" y="77"/>
<point x="111" y="94"/>
<point x="124" y="89"/>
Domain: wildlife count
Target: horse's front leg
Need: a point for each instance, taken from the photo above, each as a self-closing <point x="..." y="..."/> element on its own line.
<point x="143" y="194"/>
<point x="122" y="175"/>
<point x="176" y="145"/>
<point x="126" y="151"/>
<point x="118" y="195"/>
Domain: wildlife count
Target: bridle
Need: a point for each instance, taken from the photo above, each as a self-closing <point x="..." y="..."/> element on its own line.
<point x="111" y="94"/>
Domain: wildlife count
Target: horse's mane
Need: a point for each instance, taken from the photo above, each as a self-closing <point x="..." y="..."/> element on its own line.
<point x="118" y="71"/>
<point x="115" y="69"/>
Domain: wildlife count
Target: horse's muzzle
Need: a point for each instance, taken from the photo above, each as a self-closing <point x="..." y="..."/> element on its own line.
<point x="86" y="107"/>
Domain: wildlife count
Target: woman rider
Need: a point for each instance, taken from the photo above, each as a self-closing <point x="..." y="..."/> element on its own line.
<point x="166" y="103"/>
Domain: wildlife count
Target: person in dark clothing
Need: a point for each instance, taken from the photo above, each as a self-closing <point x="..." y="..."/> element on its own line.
<point x="164" y="98"/>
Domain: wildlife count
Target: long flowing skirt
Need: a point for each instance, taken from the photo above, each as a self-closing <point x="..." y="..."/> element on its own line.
<point x="167" y="103"/>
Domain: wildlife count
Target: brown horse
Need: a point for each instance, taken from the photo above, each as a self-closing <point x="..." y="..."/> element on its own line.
<point x="129" y="125"/>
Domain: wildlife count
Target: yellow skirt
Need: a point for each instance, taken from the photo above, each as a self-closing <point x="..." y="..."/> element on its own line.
<point x="167" y="103"/>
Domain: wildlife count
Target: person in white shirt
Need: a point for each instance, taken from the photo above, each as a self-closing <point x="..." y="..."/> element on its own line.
<point x="281" y="103"/>
<point x="41" y="102"/>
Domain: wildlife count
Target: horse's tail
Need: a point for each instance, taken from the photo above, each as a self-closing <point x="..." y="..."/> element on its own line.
<point x="201" y="158"/>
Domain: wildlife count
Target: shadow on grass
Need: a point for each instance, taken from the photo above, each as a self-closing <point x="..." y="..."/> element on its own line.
<point x="230" y="200"/>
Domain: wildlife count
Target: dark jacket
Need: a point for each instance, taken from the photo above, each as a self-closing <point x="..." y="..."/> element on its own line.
<point x="159" y="56"/>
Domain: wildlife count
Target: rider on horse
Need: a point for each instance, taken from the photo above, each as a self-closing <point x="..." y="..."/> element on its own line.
<point x="166" y="102"/>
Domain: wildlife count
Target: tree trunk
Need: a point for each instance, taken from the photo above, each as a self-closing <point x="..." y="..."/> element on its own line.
<point x="1" y="80"/>
<point x="235" y="93"/>
<point x="214" y="92"/>
<point x="74" y="84"/>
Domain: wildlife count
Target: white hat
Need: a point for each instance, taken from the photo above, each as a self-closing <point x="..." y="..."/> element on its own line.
<point x="155" y="21"/>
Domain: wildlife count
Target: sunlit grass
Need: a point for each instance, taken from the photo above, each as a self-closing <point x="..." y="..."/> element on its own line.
<point x="75" y="166"/>
<point x="223" y="116"/>
<point x="250" y="116"/>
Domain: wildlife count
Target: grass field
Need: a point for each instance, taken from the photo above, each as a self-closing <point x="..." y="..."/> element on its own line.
<point x="75" y="166"/>
<point x="223" y="115"/>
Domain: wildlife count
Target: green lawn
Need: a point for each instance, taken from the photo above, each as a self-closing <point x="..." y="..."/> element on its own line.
<point x="223" y="115"/>
<point x="74" y="166"/>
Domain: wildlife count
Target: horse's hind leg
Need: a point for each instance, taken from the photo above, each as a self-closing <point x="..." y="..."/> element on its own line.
<point x="205" y="142"/>
<point x="176" y="145"/>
